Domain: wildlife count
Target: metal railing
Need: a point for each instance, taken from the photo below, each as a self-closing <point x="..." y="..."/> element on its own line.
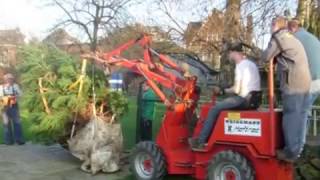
<point x="314" y="114"/>
<point x="313" y="123"/>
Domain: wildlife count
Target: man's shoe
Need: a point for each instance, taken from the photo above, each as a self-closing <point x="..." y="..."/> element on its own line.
<point x="200" y="147"/>
<point x="21" y="142"/>
<point x="281" y="155"/>
<point x="8" y="144"/>
<point x="195" y="144"/>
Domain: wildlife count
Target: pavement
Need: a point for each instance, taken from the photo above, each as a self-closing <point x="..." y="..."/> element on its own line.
<point x="38" y="162"/>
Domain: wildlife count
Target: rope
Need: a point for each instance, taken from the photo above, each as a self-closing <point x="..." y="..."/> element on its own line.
<point x="94" y="111"/>
<point x="93" y="90"/>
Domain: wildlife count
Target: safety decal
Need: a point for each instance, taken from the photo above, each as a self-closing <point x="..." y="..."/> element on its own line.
<point x="242" y="127"/>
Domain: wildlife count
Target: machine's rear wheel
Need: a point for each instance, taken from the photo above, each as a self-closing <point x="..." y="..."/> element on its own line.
<point x="147" y="162"/>
<point x="230" y="165"/>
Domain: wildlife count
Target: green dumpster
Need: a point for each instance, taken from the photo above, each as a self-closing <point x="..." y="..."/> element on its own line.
<point x="129" y="124"/>
<point x="158" y="115"/>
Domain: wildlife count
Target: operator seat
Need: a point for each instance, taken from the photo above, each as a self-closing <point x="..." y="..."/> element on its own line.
<point x="253" y="101"/>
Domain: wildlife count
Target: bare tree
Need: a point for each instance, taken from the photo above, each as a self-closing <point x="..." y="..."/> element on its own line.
<point x="262" y="11"/>
<point x="93" y="17"/>
<point x="242" y="19"/>
<point x="207" y="27"/>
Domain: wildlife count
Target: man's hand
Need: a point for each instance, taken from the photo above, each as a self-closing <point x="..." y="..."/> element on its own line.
<point x="167" y="103"/>
<point x="266" y="66"/>
<point x="216" y="90"/>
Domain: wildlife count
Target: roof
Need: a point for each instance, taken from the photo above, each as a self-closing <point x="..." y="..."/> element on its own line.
<point x="192" y="29"/>
<point x="11" y="37"/>
<point x="60" y="37"/>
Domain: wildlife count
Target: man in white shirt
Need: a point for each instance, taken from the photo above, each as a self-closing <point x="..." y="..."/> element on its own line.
<point x="9" y="94"/>
<point x="247" y="80"/>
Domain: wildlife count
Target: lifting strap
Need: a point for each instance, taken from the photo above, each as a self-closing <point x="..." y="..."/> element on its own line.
<point x="43" y="97"/>
<point x="79" y="81"/>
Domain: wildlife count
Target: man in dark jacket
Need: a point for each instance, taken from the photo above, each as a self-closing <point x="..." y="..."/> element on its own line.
<point x="295" y="79"/>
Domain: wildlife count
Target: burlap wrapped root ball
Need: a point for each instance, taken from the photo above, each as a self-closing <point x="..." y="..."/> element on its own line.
<point x="98" y="145"/>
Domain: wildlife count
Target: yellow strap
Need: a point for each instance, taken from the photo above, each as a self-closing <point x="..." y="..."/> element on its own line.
<point x="80" y="79"/>
<point x="44" y="100"/>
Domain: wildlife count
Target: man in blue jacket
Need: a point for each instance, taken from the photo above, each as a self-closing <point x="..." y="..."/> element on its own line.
<point x="311" y="45"/>
<point x="116" y="81"/>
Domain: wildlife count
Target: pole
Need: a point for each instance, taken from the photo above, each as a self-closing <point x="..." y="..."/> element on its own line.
<point x="314" y="122"/>
<point x="271" y="105"/>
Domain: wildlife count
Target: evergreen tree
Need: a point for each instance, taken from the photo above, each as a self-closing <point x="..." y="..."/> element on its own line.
<point x="50" y="101"/>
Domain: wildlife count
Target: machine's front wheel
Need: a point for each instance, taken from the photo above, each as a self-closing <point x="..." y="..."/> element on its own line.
<point x="147" y="162"/>
<point x="230" y="165"/>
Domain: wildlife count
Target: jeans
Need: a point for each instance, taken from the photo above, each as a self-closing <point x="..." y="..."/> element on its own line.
<point x="233" y="102"/>
<point x="294" y="123"/>
<point x="312" y="98"/>
<point x="11" y="118"/>
<point x="146" y="130"/>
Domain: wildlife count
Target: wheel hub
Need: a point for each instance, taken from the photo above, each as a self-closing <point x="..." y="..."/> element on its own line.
<point x="148" y="165"/>
<point x="144" y="165"/>
<point x="226" y="171"/>
<point x="230" y="175"/>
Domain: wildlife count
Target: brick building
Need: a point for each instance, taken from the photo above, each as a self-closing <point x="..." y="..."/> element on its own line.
<point x="10" y="40"/>
<point x="207" y="38"/>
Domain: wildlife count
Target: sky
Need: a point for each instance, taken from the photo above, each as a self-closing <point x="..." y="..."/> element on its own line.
<point x="35" y="19"/>
<point x="28" y="15"/>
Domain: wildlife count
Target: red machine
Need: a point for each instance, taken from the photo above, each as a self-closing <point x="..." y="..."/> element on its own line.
<point x="242" y="145"/>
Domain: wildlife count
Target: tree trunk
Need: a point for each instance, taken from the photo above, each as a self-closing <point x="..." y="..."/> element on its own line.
<point x="232" y="21"/>
<point x="314" y="26"/>
<point x="249" y="30"/>
<point x="94" y="41"/>
<point x="231" y="34"/>
<point x="309" y="15"/>
<point x="303" y="12"/>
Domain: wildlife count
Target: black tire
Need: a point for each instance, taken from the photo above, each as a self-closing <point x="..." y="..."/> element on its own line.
<point x="147" y="152"/>
<point x="230" y="163"/>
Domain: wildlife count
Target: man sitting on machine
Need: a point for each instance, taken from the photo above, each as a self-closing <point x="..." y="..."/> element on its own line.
<point x="246" y="87"/>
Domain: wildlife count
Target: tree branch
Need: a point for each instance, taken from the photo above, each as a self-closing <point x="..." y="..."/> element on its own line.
<point x="73" y="20"/>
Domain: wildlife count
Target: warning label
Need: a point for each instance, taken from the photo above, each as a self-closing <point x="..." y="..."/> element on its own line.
<point x="242" y="127"/>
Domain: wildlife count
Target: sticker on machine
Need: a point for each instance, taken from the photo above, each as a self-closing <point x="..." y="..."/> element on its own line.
<point x="242" y="127"/>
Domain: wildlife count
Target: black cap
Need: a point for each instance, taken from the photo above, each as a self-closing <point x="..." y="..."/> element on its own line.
<point x="236" y="47"/>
